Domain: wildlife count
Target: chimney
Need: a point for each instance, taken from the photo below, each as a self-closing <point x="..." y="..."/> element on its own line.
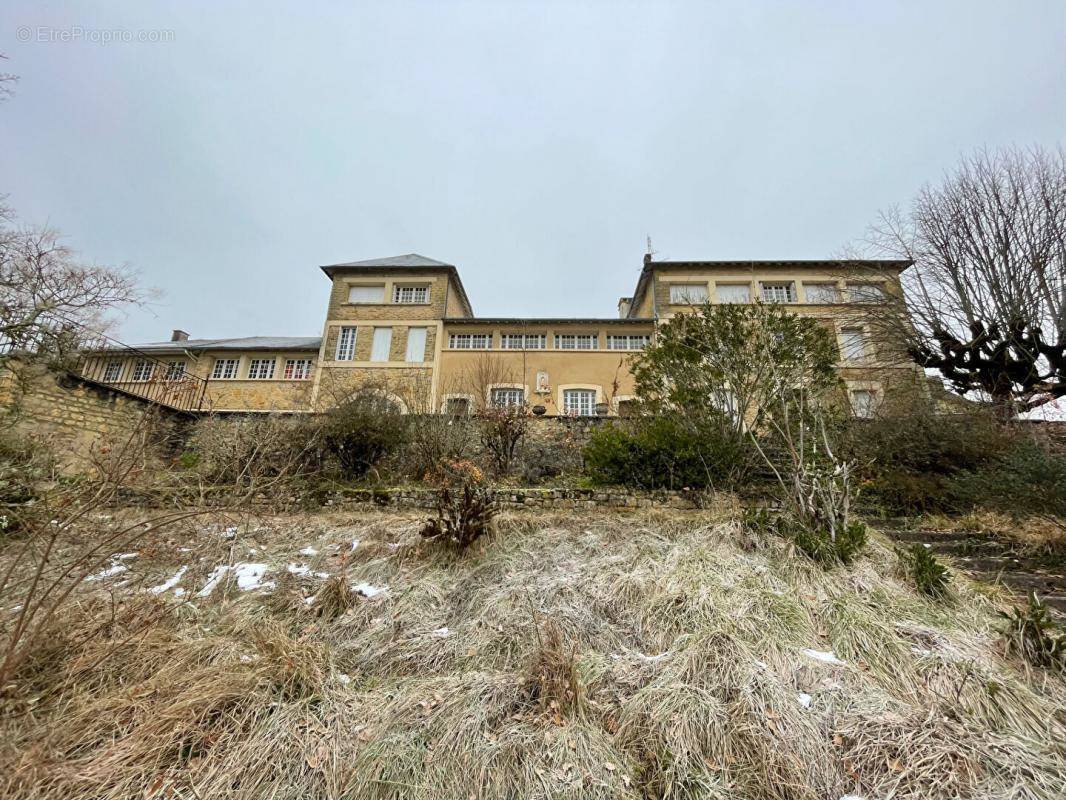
<point x="623" y="306"/>
<point x="178" y="335"/>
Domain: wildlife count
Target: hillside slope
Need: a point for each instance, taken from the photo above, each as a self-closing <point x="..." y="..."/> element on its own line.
<point x="576" y="656"/>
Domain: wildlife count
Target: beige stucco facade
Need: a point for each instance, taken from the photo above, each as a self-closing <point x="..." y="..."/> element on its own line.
<point x="404" y="327"/>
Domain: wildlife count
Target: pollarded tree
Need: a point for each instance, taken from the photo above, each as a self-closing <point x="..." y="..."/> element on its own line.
<point x="740" y="359"/>
<point x="985" y="301"/>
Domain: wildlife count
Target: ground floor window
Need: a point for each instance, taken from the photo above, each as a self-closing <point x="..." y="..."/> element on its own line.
<point x="297" y="369"/>
<point x="507" y="397"/>
<point x="457" y="406"/>
<point x="175" y="370"/>
<point x="863" y="402"/>
<point x="261" y="369"/>
<point x="113" y="371"/>
<point x="142" y="370"/>
<point x="225" y="368"/>
<point x="580" y="402"/>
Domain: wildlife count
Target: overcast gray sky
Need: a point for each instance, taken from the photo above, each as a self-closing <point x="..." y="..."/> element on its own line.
<point x="534" y="145"/>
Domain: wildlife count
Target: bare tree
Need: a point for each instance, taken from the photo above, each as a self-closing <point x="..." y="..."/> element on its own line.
<point x="44" y="286"/>
<point x="985" y="300"/>
<point x="7" y="82"/>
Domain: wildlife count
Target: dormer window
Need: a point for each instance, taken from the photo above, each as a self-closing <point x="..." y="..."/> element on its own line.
<point x="410" y="295"/>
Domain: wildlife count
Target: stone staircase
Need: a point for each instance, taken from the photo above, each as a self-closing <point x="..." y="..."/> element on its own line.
<point x="989" y="558"/>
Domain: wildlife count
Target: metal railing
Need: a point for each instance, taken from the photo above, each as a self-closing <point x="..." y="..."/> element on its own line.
<point x="94" y="356"/>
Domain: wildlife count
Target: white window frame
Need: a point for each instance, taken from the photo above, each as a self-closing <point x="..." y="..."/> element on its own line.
<point x="375" y="292"/>
<point x="523" y="341"/>
<point x="777" y="291"/>
<point x="225" y="369"/>
<point x="577" y="341"/>
<point x="689" y="294"/>
<point x="832" y="289"/>
<point x="511" y="396"/>
<point x="142" y="371"/>
<point x="416" y="355"/>
<point x="298" y="369"/>
<point x="469" y="341"/>
<point x="116" y="375"/>
<point x="176" y="370"/>
<point x="628" y="341"/>
<point x="848" y="352"/>
<point x="381" y="345"/>
<point x="863" y="412"/>
<point x="727" y="285"/>
<point x="410" y="294"/>
<point x="346" y="339"/>
<point x="584" y="397"/>
<point x="262" y="369"/>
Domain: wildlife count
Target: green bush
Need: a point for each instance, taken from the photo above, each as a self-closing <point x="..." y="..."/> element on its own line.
<point x="668" y="452"/>
<point x="1033" y="635"/>
<point x="816" y="543"/>
<point x="362" y="431"/>
<point x="1026" y="478"/>
<point x="922" y="568"/>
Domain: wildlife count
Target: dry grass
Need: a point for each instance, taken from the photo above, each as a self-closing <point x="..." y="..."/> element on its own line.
<point x="1034" y="535"/>
<point x="592" y="656"/>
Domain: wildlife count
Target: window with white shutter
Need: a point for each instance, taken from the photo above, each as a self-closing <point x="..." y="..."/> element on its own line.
<point x="733" y="292"/>
<point x="688" y="294"/>
<point x="853" y="344"/>
<point x="382" y="346"/>
<point x="416" y="345"/>
<point x="366" y="294"/>
<point x="822" y="293"/>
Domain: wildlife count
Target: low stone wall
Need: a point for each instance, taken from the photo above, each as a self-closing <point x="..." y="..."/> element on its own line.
<point x="522" y="498"/>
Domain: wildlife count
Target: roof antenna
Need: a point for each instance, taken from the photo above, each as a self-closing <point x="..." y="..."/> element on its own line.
<point x="651" y="252"/>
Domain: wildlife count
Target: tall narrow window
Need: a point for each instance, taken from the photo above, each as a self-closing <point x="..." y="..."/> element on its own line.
<point x="366" y="294"/>
<point x="113" y="371"/>
<point x="579" y="402"/>
<point x="382" y="346"/>
<point x="261" y="369"/>
<point x="852" y="344"/>
<point x="346" y="344"/>
<point x="507" y="397"/>
<point x="688" y="294"/>
<point x="225" y="369"/>
<point x="410" y="295"/>
<point x="142" y="370"/>
<point x="733" y="292"/>
<point x="416" y="345"/>
<point x="783" y="292"/>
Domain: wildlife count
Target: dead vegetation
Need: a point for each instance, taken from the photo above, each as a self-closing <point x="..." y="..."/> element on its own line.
<point x="609" y="656"/>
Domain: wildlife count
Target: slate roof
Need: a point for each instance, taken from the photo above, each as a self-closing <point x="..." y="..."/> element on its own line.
<point x="300" y="343"/>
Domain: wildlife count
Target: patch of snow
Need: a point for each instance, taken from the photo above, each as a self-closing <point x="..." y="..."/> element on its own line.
<point x="804" y="699"/>
<point x="179" y="592"/>
<point x="440" y="633"/>
<point x="170" y="583"/>
<point x="304" y="571"/>
<point x="249" y="576"/>
<point x="229" y="532"/>
<point x="355" y="544"/>
<point x="108" y="572"/>
<point x="124" y="556"/>
<point x="344" y="679"/>
<point x="762" y="665"/>
<point x="853" y="797"/>
<point x="823" y="656"/>
<point x="184" y="549"/>
<point x="309" y="601"/>
<point x="366" y="590"/>
<point x="658" y="657"/>
<point x="309" y="551"/>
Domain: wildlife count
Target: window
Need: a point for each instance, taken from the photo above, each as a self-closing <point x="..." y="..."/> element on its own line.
<point x="822" y="293"/>
<point x="523" y="341"/>
<point x="576" y="341"/>
<point x="410" y="295"/>
<point x="366" y="294"/>
<point x="142" y="370"/>
<point x="416" y="345"/>
<point x="733" y="292"/>
<point x="863" y="403"/>
<point x="866" y="292"/>
<point x="507" y="397"/>
<point x="225" y="369"/>
<point x="688" y="294"/>
<point x="726" y="401"/>
<point x="470" y="341"/>
<point x="346" y="344"/>
<point x="381" y="348"/>
<point x="297" y="369"/>
<point x="580" y="402"/>
<point x="113" y="371"/>
<point x="779" y="292"/>
<point x="261" y="369"/>
<point x="457" y="406"/>
<point x="175" y="370"/>
<point x="633" y="341"/>
<point x="853" y="344"/>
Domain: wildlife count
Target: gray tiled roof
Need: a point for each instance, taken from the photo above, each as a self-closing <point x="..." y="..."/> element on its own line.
<point x="409" y="260"/>
<point x="245" y="343"/>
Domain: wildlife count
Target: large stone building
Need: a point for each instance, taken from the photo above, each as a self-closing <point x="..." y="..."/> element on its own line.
<point x="404" y="327"/>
